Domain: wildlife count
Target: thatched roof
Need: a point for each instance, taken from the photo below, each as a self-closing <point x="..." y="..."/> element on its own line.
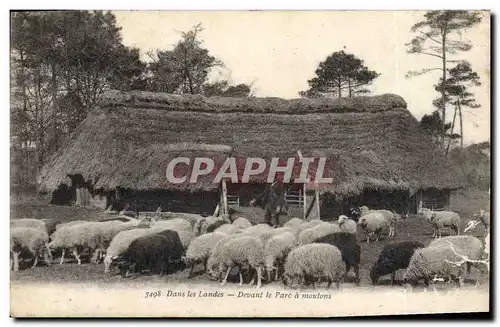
<point x="370" y="142"/>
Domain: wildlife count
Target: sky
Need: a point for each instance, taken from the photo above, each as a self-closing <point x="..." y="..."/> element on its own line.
<point x="278" y="51"/>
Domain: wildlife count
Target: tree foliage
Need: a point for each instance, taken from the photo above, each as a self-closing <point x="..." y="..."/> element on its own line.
<point x="340" y="73"/>
<point x="61" y="64"/>
<point x="185" y="68"/>
<point x="432" y="124"/>
<point x="224" y="89"/>
<point x="437" y="37"/>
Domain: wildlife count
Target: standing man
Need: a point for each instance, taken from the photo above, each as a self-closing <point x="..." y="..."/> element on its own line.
<point x="272" y="201"/>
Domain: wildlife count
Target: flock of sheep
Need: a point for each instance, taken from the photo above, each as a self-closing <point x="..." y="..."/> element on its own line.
<point x="300" y="252"/>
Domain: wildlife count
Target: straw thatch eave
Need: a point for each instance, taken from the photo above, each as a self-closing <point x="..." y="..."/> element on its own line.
<point x="368" y="143"/>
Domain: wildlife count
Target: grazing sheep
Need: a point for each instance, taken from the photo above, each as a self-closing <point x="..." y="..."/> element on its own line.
<point x="373" y="223"/>
<point x="276" y="250"/>
<point x="28" y="223"/>
<point x="242" y="223"/>
<point x="314" y="261"/>
<point x="211" y="223"/>
<point x="441" y="219"/>
<point x="467" y="245"/>
<point x="393" y="256"/>
<point x="92" y="235"/>
<point x="436" y="261"/>
<point x="150" y="252"/>
<point x="237" y="251"/>
<point x="347" y="225"/>
<point x="200" y="249"/>
<point x="228" y="229"/>
<point x="28" y="240"/>
<point x="190" y="217"/>
<point x="120" y="243"/>
<point x="349" y="247"/>
<point x="311" y="234"/>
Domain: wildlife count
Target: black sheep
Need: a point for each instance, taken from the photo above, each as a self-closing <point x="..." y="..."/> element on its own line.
<point x="348" y="246"/>
<point x="151" y="252"/>
<point x="394" y="256"/>
<point x="177" y="251"/>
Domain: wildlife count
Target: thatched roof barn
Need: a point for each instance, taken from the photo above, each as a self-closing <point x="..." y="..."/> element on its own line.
<point x="371" y="143"/>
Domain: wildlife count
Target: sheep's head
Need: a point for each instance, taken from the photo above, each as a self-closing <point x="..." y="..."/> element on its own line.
<point x="342" y="219"/>
<point x="364" y="209"/>
<point x="362" y="222"/>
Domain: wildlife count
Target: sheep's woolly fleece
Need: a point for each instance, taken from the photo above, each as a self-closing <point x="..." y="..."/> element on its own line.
<point x="220" y="250"/>
<point x="29" y="239"/>
<point x="177" y="224"/>
<point x="90" y="234"/>
<point x="373" y="222"/>
<point x="28" y="223"/>
<point x="467" y="245"/>
<point x="311" y="234"/>
<point x="426" y="263"/>
<point x="242" y="250"/>
<point x="242" y="223"/>
<point x="294" y="223"/>
<point x="228" y="229"/>
<point x="315" y="260"/>
<point x="278" y="247"/>
<point x="201" y="247"/>
<point x="265" y="233"/>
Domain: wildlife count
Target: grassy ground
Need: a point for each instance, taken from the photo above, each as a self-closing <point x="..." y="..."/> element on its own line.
<point x="413" y="228"/>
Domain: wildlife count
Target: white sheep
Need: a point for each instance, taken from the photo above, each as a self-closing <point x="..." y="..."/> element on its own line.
<point x="241" y="223"/>
<point x="92" y="235"/>
<point x="276" y="250"/>
<point x="228" y="229"/>
<point x="237" y="251"/>
<point x="200" y="249"/>
<point x="467" y="245"/>
<point x="373" y="223"/>
<point x="313" y="233"/>
<point x="442" y="259"/>
<point x="28" y="239"/>
<point x="390" y="216"/>
<point x="28" y="223"/>
<point x="313" y="262"/>
<point x="347" y="225"/>
<point x="441" y="219"/>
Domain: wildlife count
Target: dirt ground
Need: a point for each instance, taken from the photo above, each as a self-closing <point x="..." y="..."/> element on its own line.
<point x="413" y="228"/>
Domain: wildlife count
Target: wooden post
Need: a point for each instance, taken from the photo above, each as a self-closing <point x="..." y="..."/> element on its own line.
<point x="305" y="205"/>
<point x="224" y="195"/>
<point x="317" y="204"/>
